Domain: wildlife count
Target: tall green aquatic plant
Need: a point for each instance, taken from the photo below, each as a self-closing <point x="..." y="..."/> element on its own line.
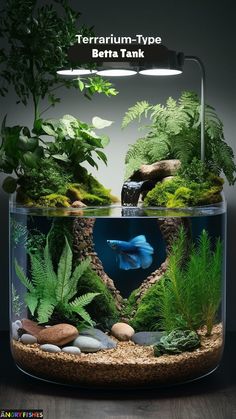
<point x="189" y="295"/>
<point x="50" y="291"/>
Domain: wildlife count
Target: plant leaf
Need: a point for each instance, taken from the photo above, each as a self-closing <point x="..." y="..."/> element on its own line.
<point x="100" y="123"/>
<point x="64" y="272"/>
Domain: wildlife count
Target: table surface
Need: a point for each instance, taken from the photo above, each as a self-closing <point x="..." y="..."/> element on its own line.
<point x="213" y="397"/>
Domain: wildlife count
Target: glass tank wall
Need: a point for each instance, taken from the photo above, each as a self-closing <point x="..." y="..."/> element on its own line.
<point x="117" y="296"/>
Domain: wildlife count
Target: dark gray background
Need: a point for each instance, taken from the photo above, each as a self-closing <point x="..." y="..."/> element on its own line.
<point x="202" y="28"/>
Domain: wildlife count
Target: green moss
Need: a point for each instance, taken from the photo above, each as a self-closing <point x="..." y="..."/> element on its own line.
<point x="147" y="314"/>
<point x="179" y="192"/>
<point x="102" y="310"/>
<point x="53" y="200"/>
<point x="130" y="304"/>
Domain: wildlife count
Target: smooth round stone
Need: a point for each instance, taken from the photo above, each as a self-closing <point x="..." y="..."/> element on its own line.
<point x="58" y="335"/>
<point x="28" y="339"/>
<point x="122" y="331"/>
<point x="50" y="348"/>
<point x="18" y="323"/>
<point x="71" y="350"/>
<point x="106" y="341"/>
<point x="147" y="338"/>
<point x="14" y="329"/>
<point x="87" y="344"/>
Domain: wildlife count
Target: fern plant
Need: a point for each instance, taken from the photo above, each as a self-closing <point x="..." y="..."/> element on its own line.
<point x="174" y="132"/>
<point x="50" y="291"/>
<point x="190" y="293"/>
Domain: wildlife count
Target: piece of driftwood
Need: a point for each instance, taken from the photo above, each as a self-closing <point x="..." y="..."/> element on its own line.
<point x="156" y="171"/>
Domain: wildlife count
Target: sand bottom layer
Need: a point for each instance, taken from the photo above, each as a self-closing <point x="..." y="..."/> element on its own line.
<point x="128" y="364"/>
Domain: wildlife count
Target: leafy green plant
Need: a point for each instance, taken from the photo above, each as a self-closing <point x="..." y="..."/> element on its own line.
<point x="74" y="142"/>
<point x="189" y="295"/>
<point x="174" y="132"/>
<point x="37" y="38"/>
<point x="49" y="291"/>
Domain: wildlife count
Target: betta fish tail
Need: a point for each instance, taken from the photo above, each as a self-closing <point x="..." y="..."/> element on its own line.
<point x="145" y="250"/>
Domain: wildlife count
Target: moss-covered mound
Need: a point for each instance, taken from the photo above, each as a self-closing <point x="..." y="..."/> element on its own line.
<point x="102" y="310"/>
<point x="53" y="187"/>
<point x="178" y="192"/>
<point x="145" y="315"/>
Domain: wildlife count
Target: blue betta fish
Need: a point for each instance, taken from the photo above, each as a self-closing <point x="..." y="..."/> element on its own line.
<point x="134" y="254"/>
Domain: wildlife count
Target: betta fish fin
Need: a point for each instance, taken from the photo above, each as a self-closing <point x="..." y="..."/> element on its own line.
<point x="145" y="250"/>
<point x="129" y="261"/>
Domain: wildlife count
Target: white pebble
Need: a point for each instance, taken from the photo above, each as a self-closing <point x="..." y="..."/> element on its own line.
<point x="18" y="324"/>
<point x="47" y="347"/>
<point x="28" y="339"/>
<point x="71" y="350"/>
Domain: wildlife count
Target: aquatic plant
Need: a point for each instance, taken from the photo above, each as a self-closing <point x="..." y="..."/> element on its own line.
<point x="19" y="232"/>
<point x="17" y="304"/>
<point x="183" y="192"/>
<point x="103" y="309"/>
<point x="174" y="132"/>
<point x="49" y="291"/>
<point x="189" y="295"/>
<point x="176" y="342"/>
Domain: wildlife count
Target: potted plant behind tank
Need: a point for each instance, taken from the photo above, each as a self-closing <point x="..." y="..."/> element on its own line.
<point x="74" y="318"/>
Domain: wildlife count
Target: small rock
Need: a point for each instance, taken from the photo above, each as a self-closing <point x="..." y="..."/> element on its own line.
<point x="78" y="204"/>
<point x="28" y="339"/>
<point x="50" y="348"/>
<point x="32" y="328"/>
<point x="147" y="338"/>
<point x="60" y="334"/>
<point x="87" y="344"/>
<point x="14" y="329"/>
<point x="18" y="324"/>
<point x="106" y="342"/>
<point x="122" y="331"/>
<point x="71" y="350"/>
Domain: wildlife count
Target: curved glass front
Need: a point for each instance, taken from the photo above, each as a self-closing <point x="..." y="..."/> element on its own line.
<point x="117" y="296"/>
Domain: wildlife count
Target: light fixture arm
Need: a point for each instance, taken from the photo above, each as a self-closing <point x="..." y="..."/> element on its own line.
<point x="202" y="113"/>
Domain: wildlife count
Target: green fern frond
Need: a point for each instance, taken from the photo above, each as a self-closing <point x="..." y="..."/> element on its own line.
<point x="45" y="310"/>
<point x="84" y="314"/>
<point x="51" y="275"/>
<point x="38" y="274"/>
<point x="31" y="300"/>
<point x="64" y="272"/>
<point x="78" y="272"/>
<point x="136" y="112"/>
<point x="83" y="300"/>
<point x="23" y="278"/>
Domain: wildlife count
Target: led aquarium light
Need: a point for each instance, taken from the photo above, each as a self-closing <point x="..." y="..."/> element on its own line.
<point x="76" y="72"/>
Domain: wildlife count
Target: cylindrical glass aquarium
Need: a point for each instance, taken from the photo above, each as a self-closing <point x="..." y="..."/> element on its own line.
<point x="117" y="296"/>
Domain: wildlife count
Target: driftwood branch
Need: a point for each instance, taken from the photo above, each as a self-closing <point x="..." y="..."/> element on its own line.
<point x="156" y="171"/>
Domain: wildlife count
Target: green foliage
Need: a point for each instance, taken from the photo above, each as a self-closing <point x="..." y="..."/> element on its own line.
<point x="74" y="141"/>
<point x="19" y="232"/>
<point x="174" y="132"/>
<point x="50" y="291"/>
<point x="146" y="315"/>
<point x="17" y="304"/>
<point x="49" y="179"/>
<point x="176" y="342"/>
<point x="38" y="38"/>
<point x="190" y="293"/>
<point x="103" y="309"/>
<point x="183" y="192"/>
<point x="195" y="171"/>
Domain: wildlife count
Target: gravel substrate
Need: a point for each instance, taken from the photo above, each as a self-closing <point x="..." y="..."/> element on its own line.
<point x="128" y="364"/>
